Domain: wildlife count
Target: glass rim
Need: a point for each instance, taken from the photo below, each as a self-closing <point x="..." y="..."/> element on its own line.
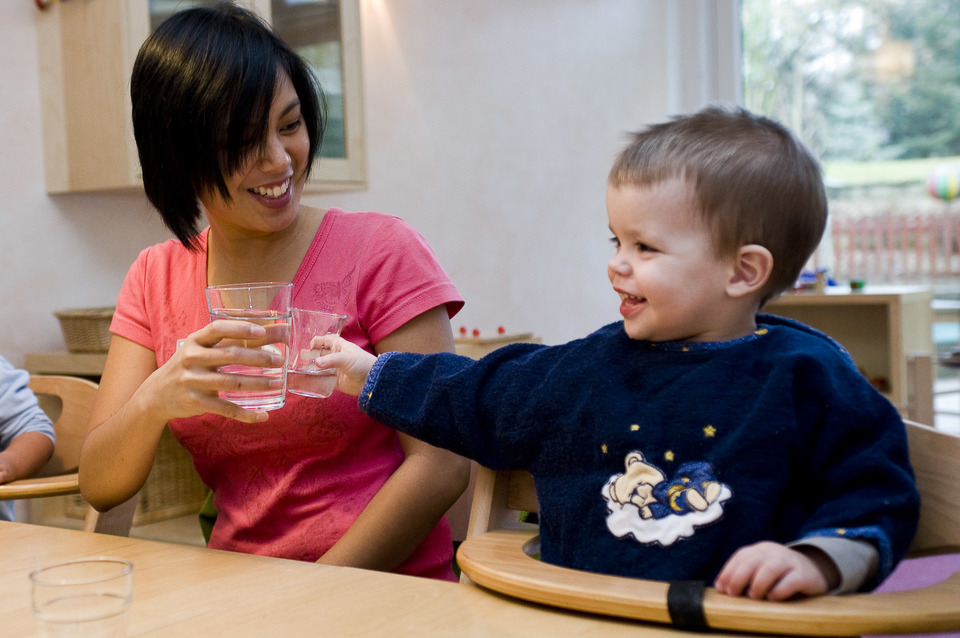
<point x="254" y="285"/>
<point x="329" y="313"/>
<point x="44" y="575"/>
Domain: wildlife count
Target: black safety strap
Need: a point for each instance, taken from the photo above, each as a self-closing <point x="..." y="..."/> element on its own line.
<point x="685" y="604"/>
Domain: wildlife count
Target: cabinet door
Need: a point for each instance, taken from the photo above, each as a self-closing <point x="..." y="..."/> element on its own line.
<point x="86" y="54"/>
<point x="85" y="57"/>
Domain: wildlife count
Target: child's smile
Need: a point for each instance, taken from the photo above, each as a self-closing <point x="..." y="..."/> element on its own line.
<point x="629" y="303"/>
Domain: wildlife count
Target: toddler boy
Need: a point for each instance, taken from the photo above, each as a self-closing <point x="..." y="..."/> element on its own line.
<point x="696" y="439"/>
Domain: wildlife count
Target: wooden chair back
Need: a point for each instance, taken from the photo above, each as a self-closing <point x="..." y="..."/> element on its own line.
<point x="68" y="402"/>
<point x="935" y="457"/>
<point x="496" y="555"/>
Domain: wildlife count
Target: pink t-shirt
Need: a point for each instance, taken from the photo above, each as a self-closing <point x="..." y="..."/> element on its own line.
<point x="292" y="486"/>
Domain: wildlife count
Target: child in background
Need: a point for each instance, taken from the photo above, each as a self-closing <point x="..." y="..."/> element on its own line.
<point x="26" y="433"/>
<point x="696" y="439"/>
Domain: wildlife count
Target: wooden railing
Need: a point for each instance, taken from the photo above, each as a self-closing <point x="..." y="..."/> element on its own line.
<point x="897" y="247"/>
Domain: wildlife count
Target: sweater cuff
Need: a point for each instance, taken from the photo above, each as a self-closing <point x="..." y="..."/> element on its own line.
<point x="855" y="560"/>
<point x="366" y="394"/>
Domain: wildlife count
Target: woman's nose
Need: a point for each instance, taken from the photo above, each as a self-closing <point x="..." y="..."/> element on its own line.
<point x="274" y="156"/>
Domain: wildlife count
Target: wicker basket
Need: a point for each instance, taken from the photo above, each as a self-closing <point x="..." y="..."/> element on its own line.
<point x="86" y="329"/>
<point x="173" y="488"/>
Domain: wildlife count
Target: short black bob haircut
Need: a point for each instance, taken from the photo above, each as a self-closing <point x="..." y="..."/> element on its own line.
<point x="201" y="88"/>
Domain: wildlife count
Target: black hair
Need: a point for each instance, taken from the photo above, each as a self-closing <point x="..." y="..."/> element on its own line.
<point x="202" y="87"/>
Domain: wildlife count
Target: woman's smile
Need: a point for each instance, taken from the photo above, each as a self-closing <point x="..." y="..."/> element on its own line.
<point x="275" y="196"/>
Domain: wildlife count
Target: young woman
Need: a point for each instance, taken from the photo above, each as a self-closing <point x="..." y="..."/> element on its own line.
<point x="227" y="121"/>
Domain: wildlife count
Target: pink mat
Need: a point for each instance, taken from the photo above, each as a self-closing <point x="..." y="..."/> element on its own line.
<point x="919" y="572"/>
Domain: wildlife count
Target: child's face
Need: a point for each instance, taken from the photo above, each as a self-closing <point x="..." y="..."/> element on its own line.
<point x="671" y="284"/>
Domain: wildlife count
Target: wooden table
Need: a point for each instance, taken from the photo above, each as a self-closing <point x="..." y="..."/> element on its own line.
<point x="182" y="590"/>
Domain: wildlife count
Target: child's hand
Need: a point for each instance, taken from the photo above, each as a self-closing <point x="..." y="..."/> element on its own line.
<point x="351" y="361"/>
<point x="773" y="571"/>
<point x="7" y="471"/>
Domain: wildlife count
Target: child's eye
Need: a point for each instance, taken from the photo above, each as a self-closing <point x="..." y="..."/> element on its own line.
<point x="645" y="248"/>
<point x="615" y="242"/>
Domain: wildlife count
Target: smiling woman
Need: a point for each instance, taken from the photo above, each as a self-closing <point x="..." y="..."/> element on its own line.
<point x="231" y="142"/>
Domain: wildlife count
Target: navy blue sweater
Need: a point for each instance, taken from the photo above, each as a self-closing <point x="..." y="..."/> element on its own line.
<point x="659" y="460"/>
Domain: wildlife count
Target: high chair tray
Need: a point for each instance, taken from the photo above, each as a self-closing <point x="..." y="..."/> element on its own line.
<point x="498" y="561"/>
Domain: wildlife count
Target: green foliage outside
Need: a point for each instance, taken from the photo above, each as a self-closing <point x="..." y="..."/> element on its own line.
<point x="872" y="86"/>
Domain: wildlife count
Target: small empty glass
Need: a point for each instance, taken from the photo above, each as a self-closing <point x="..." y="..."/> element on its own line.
<point x="84" y="597"/>
<point x="303" y="375"/>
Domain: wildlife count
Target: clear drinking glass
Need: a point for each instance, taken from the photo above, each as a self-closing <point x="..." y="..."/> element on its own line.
<point x="85" y="597"/>
<point x="266" y="304"/>
<point x="303" y="375"/>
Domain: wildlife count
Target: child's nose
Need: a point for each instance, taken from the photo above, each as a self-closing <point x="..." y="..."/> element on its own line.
<point x="617" y="265"/>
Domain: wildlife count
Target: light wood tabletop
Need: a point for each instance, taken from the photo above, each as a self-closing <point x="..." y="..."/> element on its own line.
<point x="182" y="590"/>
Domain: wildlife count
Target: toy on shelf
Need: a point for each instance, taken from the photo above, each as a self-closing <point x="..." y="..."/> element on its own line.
<point x="476" y="343"/>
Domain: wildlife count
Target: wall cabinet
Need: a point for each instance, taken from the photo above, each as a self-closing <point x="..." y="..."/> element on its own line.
<point x="86" y="53"/>
<point x="881" y="327"/>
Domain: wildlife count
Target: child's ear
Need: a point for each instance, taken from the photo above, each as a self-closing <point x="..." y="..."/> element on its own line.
<point x="751" y="270"/>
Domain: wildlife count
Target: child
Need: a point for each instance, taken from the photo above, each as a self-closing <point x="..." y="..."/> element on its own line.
<point x="26" y="433"/>
<point x="697" y="439"/>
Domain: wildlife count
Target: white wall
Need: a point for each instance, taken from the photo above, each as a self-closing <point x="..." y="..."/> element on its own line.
<point x="490" y="128"/>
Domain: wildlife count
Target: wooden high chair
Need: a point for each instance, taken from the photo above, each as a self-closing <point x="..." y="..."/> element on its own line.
<point x="68" y="402"/>
<point x="497" y="555"/>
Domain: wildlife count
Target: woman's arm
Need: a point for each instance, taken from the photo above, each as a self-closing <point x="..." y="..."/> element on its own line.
<point x="136" y="399"/>
<point x="423" y="488"/>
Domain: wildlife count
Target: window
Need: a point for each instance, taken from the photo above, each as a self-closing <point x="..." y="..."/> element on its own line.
<point x="873" y="87"/>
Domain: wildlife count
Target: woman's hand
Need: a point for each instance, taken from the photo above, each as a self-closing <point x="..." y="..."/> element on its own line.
<point x="136" y="399"/>
<point x="188" y="384"/>
<point x="771" y="571"/>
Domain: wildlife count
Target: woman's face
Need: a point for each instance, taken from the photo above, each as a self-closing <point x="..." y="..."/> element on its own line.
<point x="265" y="191"/>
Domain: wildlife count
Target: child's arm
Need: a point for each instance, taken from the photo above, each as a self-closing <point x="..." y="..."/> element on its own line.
<point x="773" y="571"/>
<point x="26" y="433"/>
<point x="25" y="455"/>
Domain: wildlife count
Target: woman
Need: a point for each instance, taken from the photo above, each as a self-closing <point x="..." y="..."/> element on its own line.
<point x="227" y="120"/>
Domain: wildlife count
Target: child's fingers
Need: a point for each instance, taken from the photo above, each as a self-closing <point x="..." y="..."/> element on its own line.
<point x="353" y="363"/>
<point x="332" y="342"/>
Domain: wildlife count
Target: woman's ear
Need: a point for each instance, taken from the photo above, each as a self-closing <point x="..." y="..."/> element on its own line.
<point x="751" y="270"/>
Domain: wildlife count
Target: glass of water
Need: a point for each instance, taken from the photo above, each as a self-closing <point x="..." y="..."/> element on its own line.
<point x="303" y="375"/>
<point x="85" y="597"/>
<point x="266" y="304"/>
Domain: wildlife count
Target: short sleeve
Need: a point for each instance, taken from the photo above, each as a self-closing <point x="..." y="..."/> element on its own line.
<point x="130" y="319"/>
<point x="400" y="278"/>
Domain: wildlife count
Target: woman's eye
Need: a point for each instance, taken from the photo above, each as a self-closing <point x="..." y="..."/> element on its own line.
<point x="294" y="125"/>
